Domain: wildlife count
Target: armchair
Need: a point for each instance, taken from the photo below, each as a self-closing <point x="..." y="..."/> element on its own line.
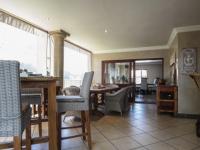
<point x="116" y="101"/>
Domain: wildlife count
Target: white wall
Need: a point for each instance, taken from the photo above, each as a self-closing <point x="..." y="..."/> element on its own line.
<point x="153" y="71"/>
<point x="98" y="58"/>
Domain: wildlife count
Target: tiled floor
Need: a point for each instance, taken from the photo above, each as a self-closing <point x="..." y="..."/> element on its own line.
<point x="141" y="129"/>
<point x="148" y="99"/>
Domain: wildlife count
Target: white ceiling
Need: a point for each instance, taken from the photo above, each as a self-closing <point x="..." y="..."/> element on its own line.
<point x="131" y="24"/>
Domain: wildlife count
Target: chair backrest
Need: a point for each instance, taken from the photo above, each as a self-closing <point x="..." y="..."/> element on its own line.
<point x="72" y="90"/>
<point x="144" y="83"/>
<point x="86" y="84"/>
<point x="10" y="103"/>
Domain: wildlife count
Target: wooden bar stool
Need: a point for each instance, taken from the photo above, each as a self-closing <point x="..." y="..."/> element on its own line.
<point x="34" y="96"/>
<point x="76" y="103"/>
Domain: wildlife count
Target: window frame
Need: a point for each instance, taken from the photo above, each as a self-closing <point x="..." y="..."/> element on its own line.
<point x="140" y="76"/>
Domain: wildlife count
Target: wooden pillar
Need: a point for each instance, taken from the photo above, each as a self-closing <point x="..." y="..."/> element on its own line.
<point x="58" y="60"/>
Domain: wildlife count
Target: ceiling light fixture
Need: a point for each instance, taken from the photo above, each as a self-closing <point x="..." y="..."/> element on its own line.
<point x="105" y="30"/>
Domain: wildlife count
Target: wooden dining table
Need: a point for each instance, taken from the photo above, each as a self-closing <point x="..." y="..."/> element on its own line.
<point x="50" y="84"/>
<point x="95" y="91"/>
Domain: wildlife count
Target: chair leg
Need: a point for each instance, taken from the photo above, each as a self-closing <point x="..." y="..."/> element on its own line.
<point x="59" y="125"/>
<point x="17" y="143"/>
<point x="28" y="136"/>
<point x="87" y="116"/>
<point x="40" y="120"/>
<point x="83" y="124"/>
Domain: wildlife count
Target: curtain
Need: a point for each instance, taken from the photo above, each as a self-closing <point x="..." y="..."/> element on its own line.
<point x="25" y="43"/>
<point x="76" y="62"/>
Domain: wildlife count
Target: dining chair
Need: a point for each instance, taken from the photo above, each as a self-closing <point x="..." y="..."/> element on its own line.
<point x="76" y="103"/>
<point x="14" y="115"/>
<point x="144" y="86"/>
<point x="34" y="96"/>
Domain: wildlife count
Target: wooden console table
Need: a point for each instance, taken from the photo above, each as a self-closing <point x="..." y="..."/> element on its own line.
<point x="167" y="98"/>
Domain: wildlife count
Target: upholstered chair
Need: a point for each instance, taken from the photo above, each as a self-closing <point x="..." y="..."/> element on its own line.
<point x="76" y="103"/>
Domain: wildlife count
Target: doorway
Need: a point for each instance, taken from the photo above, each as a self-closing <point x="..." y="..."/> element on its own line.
<point x="147" y="74"/>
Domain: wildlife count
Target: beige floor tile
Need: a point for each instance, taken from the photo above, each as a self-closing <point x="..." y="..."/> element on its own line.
<point x="141" y="126"/>
<point x="104" y="127"/>
<point x="71" y="143"/>
<point x="148" y="128"/>
<point x="177" y="131"/>
<point x="77" y="148"/>
<point x="192" y="138"/>
<point x="198" y="148"/>
<point x="94" y="130"/>
<point x="181" y="144"/>
<point x="113" y="134"/>
<point x="162" y="135"/>
<point x="160" y="146"/>
<point x="145" y="139"/>
<point x="123" y="124"/>
<point x="141" y="148"/>
<point x="103" y="146"/>
<point x="130" y="131"/>
<point x="98" y="137"/>
<point x="126" y="143"/>
<point x="43" y="146"/>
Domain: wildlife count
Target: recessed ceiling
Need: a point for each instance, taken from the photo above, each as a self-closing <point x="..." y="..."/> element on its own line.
<point x="100" y="25"/>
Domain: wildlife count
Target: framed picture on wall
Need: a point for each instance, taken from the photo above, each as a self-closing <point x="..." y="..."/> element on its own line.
<point x="189" y="60"/>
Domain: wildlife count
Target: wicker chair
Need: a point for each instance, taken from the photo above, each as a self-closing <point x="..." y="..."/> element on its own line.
<point x="33" y="96"/>
<point x="116" y="101"/>
<point x="76" y="103"/>
<point x="14" y="116"/>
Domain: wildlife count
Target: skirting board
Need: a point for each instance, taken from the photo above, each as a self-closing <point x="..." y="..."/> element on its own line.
<point x="191" y="116"/>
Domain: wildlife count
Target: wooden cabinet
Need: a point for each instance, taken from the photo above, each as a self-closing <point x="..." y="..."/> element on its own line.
<point x="167" y="98"/>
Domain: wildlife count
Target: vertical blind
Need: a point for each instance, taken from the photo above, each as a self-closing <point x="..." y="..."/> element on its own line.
<point x="76" y="62"/>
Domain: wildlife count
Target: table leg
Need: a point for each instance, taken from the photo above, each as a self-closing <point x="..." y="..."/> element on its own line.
<point x="52" y="116"/>
<point x="95" y="102"/>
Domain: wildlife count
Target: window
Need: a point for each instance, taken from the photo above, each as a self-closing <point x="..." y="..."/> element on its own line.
<point x="27" y="48"/>
<point x="140" y="74"/>
<point x="76" y="62"/>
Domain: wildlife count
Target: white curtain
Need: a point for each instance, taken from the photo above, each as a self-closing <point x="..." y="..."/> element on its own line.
<point x="76" y="62"/>
<point x="22" y="42"/>
<point x="15" y="22"/>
